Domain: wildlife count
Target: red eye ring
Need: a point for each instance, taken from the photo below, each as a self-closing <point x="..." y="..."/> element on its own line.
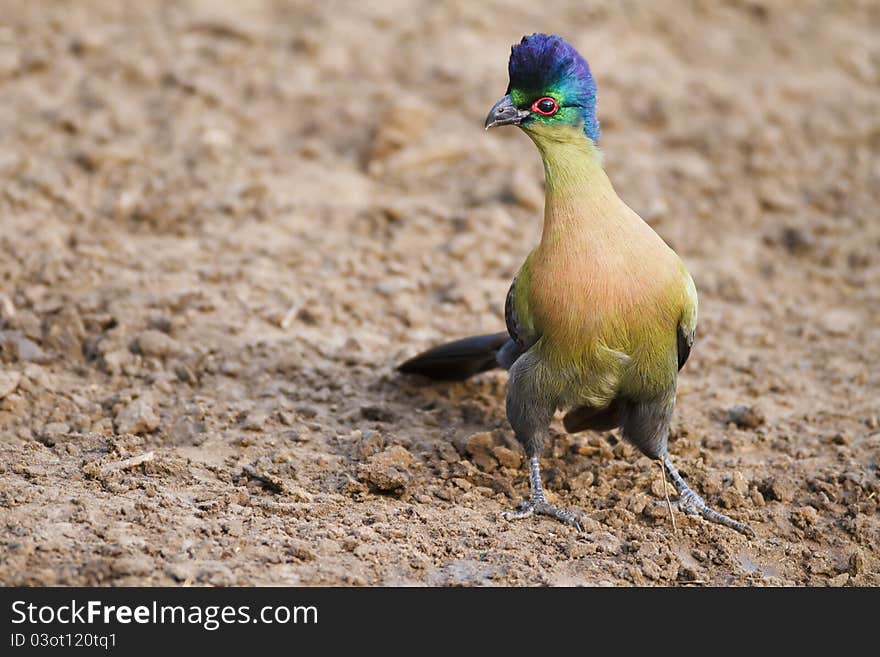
<point x="550" y="106"/>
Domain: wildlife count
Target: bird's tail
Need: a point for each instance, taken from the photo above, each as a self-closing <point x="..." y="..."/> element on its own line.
<point x="456" y="361"/>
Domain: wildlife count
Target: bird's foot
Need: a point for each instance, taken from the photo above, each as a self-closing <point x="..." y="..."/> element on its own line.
<point x="692" y="504"/>
<point x="541" y="506"/>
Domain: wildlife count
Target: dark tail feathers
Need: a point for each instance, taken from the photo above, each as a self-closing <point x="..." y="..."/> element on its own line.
<point x="456" y="361"/>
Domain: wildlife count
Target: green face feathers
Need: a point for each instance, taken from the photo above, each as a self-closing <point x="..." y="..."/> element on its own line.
<point x="550" y="79"/>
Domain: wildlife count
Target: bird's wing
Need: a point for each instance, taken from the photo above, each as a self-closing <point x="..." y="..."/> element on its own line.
<point x="510" y="313"/>
<point x="685" y="342"/>
<point x="520" y="330"/>
<point x="687" y="325"/>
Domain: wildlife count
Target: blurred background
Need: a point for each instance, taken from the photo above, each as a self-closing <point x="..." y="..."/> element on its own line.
<point x="222" y="224"/>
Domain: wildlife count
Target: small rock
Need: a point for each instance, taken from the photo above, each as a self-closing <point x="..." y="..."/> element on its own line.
<point x="650" y="570"/>
<point x="757" y="498"/>
<point x="775" y="196"/>
<point x="657" y="511"/>
<point x="53" y="432"/>
<point x="447" y="452"/>
<point x="255" y="421"/>
<point x="377" y="414"/>
<point x="581" y="481"/>
<point x="64" y="332"/>
<point x="366" y="443"/>
<point x="745" y="417"/>
<point x="9" y="382"/>
<point x="352" y="487"/>
<point x="481" y="442"/>
<point x="804" y="517"/>
<point x="647" y="549"/>
<point x="607" y="543"/>
<point x="658" y="490"/>
<point x="155" y="343"/>
<point x="14" y="346"/>
<point x="796" y="241"/>
<point x="739" y="483"/>
<point x="856" y="563"/>
<point x="181" y="572"/>
<point x="507" y="457"/>
<point x="731" y="498"/>
<point x="300" y="495"/>
<point x="485" y="461"/>
<point x="687" y="574"/>
<point x="233" y="527"/>
<point x="300" y="550"/>
<point x="840" y="321"/>
<point x="388" y="470"/>
<point x="7" y="308"/>
<point x="184" y="374"/>
<point x="462" y="483"/>
<point x="840" y="438"/>
<point x="115" y="361"/>
<point x="481" y="447"/>
<point x="138" y="416"/>
<point x="39" y="376"/>
<point x="840" y="580"/>
<point x="136" y="565"/>
<point x="780" y="489"/>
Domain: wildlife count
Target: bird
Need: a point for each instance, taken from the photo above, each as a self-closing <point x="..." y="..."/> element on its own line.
<point x="602" y="315"/>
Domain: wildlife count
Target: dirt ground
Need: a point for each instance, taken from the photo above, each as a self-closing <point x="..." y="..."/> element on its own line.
<point x="223" y="224"/>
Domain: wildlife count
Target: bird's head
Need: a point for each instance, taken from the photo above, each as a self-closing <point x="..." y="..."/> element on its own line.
<point x="550" y="85"/>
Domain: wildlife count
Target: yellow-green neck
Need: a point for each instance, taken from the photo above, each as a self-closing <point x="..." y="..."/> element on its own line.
<point x="578" y="190"/>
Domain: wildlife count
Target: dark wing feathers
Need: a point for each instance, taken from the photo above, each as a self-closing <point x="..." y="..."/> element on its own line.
<point x="514" y="327"/>
<point x="510" y="314"/>
<point x="685" y="342"/>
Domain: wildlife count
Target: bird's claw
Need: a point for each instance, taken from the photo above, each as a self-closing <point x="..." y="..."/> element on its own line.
<point x="544" y="508"/>
<point x="691" y="504"/>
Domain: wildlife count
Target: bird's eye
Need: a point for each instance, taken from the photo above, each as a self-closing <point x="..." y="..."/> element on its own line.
<point x="546" y="106"/>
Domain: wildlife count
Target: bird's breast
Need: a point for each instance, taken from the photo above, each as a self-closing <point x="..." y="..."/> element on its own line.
<point x="606" y="295"/>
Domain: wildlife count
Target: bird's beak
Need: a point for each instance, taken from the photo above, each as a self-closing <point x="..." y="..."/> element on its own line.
<point x="505" y="113"/>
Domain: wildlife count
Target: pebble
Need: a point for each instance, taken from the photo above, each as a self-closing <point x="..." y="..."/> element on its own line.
<point x="780" y="489"/>
<point x="155" y="343"/>
<point x="796" y="241"/>
<point x="840" y="580"/>
<point x="9" y="382"/>
<point x="138" y="416"/>
<point x="388" y="470"/>
<point x="135" y="566"/>
<point x="53" y="432"/>
<point x="481" y="442"/>
<point x="481" y="447"/>
<point x="115" y="361"/>
<point x="508" y="458"/>
<point x="745" y="417"/>
<point x="650" y="570"/>
<point x="840" y="321"/>
<point x="804" y="517"/>
<point x="14" y="346"/>
<point x="856" y="563"/>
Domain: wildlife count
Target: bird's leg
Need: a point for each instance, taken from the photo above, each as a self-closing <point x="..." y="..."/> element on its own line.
<point x="538" y="501"/>
<point x="666" y="495"/>
<point x="692" y="504"/>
